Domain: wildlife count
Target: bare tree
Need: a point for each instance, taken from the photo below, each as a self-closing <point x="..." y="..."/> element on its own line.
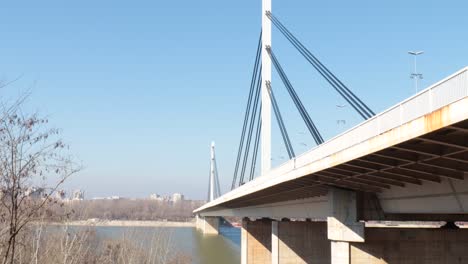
<point x="31" y="154"/>
<point x="34" y="163"/>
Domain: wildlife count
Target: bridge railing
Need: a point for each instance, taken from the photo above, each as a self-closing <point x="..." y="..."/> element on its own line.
<point x="445" y="92"/>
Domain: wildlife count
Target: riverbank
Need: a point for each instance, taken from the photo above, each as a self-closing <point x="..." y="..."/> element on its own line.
<point x="125" y="223"/>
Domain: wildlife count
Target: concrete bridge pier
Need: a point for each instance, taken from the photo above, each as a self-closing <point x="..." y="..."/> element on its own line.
<point x="266" y="241"/>
<point x="208" y="225"/>
<point x="344" y="240"/>
<point x="270" y="241"/>
<point x="342" y="225"/>
<point x="276" y="242"/>
<point x="256" y="241"/>
<point x="287" y="242"/>
<point x="300" y="242"/>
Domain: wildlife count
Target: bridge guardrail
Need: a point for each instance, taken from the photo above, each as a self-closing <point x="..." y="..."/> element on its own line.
<point x="449" y="90"/>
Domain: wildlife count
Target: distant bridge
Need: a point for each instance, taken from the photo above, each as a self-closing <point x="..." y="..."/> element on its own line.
<point x="407" y="163"/>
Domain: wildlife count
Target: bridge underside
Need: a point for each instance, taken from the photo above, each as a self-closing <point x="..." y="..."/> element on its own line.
<point x="432" y="158"/>
<point x="414" y="180"/>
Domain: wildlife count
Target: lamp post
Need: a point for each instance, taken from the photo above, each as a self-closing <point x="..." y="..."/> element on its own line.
<point x="415" y="75"/>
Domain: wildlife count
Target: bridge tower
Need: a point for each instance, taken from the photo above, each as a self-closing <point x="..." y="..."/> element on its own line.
<point x="214" y="191"/>
<point x="210" y="225"/>
<point x="266" y="103"/>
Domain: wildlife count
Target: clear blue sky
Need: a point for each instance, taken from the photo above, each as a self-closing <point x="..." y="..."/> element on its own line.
<point x="140" y="88"/>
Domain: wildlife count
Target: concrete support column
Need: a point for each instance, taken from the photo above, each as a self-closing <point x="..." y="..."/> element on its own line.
<point x="198" y="222"/>
<point x="208" y="225"/>
<point x="244" y="241"/>
<point x="274" y="242"/>
<point x="340" y="252"/>
<point x="256" y="241"/>
<point x="342" y="224"/>
<point x="300" y="242"/>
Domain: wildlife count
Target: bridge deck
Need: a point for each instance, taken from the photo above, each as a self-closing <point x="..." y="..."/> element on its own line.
<point x="422" y="140"/>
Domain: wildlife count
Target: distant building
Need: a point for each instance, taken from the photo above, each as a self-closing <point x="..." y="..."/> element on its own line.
<point x="78" y="195"/>
<point x="35" y="192"/>
<point x="156" y="197"/>
<point x="177" y="197"/>
<point x="60" y="195"/>
<point x="113" y="197"/>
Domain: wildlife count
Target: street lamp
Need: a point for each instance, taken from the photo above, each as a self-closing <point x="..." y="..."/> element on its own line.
<point x="415" y="75"/>
<point x="341" y="121"/>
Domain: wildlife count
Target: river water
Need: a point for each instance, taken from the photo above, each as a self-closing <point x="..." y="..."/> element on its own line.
<point x="221" y="249"/>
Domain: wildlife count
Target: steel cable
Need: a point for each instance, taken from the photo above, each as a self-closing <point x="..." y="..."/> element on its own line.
<point x="256" y="146"/>
<point x="250" y="129"/>
<point x="279" y="119"/>
<point x="248" y="109"/>
<point x="302" y="111"/>
<point x="344" y="91"/>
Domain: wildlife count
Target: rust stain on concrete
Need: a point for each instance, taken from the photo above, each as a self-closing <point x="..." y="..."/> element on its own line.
<point x="437" y="119"/>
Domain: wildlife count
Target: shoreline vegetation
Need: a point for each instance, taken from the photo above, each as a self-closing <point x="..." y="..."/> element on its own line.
<point x="33" y="151"/>
<point x="127" y="210"/>
<point x="124" y="223"/>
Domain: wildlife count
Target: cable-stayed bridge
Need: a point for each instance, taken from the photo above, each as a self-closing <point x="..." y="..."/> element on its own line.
<point x="407" y="163"/>
<point x="214" y="190"/>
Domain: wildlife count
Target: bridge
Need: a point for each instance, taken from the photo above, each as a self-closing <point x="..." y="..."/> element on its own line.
<point x="390" y="190"/>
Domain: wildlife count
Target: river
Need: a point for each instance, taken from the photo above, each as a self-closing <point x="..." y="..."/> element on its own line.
<point x="221" y="249"/>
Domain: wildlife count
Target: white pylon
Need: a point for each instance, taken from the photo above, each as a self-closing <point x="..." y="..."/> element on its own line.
<point x="213" y="188"/>
<point x="266" y="77"/>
